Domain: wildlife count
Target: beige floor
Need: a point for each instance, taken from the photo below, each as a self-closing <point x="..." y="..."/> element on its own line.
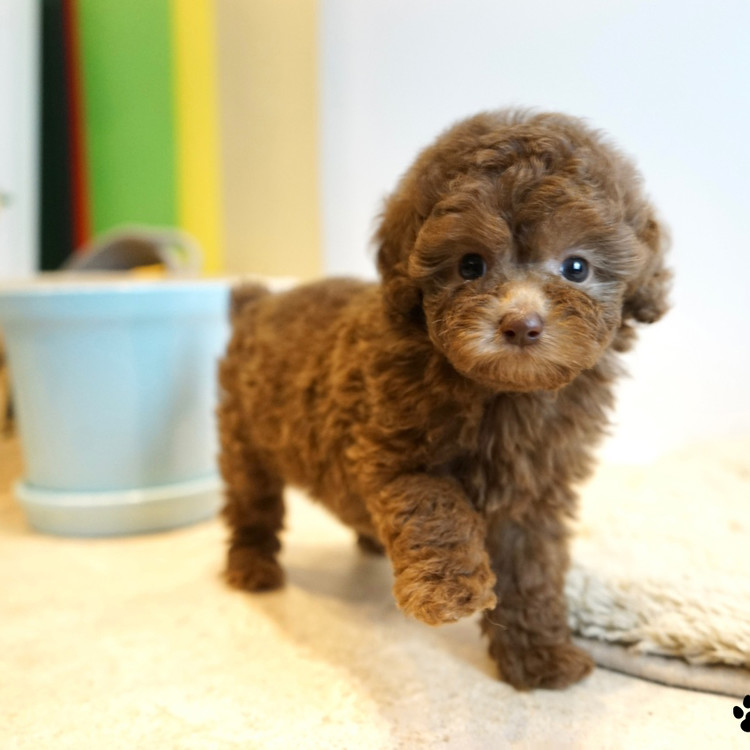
<point x="136" y="643"/>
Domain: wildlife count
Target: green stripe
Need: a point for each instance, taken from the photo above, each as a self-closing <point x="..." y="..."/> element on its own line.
<point x="129" y="111"/>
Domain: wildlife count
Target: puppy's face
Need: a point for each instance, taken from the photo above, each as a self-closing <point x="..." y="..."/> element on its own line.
<point x="527" y="261"/>
<point x="520" y="298"/>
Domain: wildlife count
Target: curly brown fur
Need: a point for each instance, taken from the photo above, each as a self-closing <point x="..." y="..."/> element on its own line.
<point x="410" y="409"/>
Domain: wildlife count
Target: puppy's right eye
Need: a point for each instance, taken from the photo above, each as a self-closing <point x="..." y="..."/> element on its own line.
<point x="472" y="266"/>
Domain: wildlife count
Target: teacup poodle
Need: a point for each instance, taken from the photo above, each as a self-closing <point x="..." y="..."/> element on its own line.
<point x="446" y="413"/>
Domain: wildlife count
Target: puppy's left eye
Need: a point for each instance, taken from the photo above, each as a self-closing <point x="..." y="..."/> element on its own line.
<point x="575" y="269"/>
<point x="472" y="266"/>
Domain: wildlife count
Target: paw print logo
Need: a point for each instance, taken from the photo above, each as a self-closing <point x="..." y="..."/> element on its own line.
<point x="739" y="713"/>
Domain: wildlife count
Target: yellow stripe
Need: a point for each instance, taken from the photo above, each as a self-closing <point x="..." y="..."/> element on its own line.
<point x="197" y="126"/>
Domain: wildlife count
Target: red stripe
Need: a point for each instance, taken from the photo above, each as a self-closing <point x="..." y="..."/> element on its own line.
<point x="79" y="177"/>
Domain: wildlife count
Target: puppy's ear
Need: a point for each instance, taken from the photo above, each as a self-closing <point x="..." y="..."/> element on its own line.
<point x="396" y="235"/>
<point x="647" y="300"/>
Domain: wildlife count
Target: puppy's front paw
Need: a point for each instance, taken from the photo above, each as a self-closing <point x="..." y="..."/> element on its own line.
<point x="552" y="667"/>
<point x="438" y="593"/>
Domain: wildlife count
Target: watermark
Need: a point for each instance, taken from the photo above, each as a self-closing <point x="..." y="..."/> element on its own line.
<point x="741" y="713"/>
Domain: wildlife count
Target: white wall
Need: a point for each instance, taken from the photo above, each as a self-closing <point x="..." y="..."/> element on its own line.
<point x="18" y="137"/>
<point x="668" y="79"/>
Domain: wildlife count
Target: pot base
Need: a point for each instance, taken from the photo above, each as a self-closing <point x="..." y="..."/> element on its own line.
<point x="119" y="513"/>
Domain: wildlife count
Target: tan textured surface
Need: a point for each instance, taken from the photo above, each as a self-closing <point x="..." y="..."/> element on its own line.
<point x="135" y="642"/>
<point x="268" y="66"/>
<point x="661" y="564"/>
<point x="712" y="678"/>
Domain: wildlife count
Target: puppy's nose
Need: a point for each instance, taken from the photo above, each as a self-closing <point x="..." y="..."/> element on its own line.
<point x="522" y="330"/>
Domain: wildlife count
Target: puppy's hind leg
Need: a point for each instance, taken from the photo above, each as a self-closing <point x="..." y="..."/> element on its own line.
<point x="254" y="508"/>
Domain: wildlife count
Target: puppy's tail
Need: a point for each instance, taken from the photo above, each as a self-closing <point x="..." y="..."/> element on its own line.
<point x="244" y="294"/>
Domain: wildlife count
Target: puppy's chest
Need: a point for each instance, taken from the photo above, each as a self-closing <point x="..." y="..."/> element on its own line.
<point x="523" y="447"/>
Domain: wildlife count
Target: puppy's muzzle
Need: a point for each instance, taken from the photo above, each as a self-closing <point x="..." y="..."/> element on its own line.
<point x="521" y="329"/>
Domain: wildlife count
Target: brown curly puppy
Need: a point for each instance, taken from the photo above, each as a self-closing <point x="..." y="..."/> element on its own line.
<point x="447" y="413"/>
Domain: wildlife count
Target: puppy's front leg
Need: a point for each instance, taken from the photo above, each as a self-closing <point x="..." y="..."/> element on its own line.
<point x="435" y="540"/>
<point x="528" y="630"/>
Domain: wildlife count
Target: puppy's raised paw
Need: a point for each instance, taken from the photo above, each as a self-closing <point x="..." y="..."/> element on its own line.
<point x="551" y="667"/>
<point x="445" y="595"/>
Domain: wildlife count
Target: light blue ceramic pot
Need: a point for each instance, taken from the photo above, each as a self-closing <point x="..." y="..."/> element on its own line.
<point x="115" y="391"/>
